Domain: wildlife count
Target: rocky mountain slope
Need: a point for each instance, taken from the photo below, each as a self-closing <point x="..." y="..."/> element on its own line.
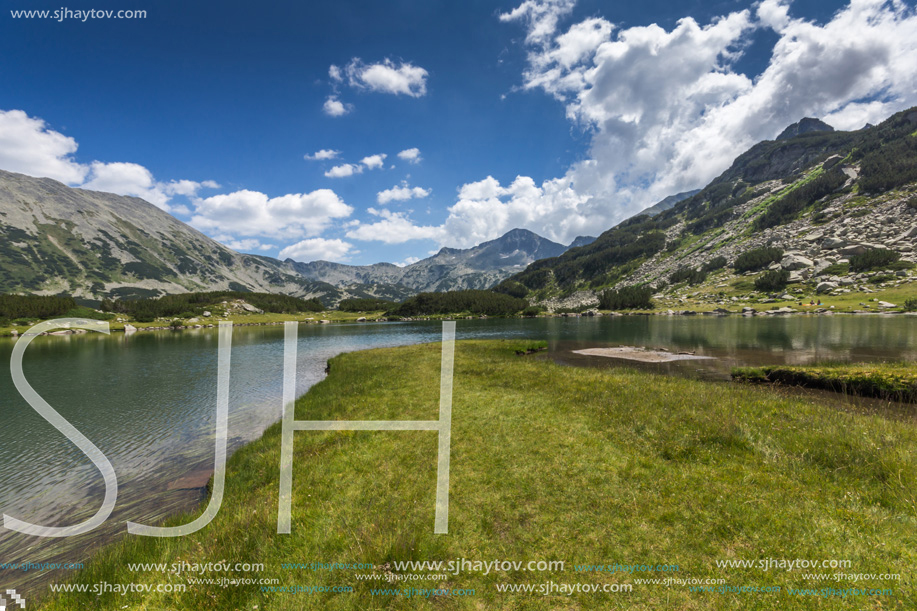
<point x="818" y="199"/>
<point x="57" y="239"/>
<point x="668" y="203"/>
<point x="805" y="126"/>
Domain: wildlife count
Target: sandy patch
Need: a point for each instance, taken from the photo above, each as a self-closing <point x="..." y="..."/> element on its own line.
<point x="640" y="354"/>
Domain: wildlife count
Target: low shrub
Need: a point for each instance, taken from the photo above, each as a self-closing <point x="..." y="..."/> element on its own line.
<point x="689" y="275"/>
<point x="837" y="269"/>
<point x="629" y="297"/>
<point x="772" y="281"/>
<point x="873" y="258"/>
<point x="757" y="258"/>
<point x="714" y="264"/>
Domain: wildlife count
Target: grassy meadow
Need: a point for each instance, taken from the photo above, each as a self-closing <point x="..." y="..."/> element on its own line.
<point x="585" y="466"/>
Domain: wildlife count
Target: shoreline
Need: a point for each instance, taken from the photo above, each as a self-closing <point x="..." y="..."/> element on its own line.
<point x="119" y="327"/>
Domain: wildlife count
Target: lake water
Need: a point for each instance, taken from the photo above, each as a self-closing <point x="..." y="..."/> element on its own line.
<point x="148" y="400"/>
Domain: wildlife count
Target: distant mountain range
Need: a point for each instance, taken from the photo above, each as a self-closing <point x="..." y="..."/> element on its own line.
<point x="57" y="239"/>
<point x="450" y="269"/>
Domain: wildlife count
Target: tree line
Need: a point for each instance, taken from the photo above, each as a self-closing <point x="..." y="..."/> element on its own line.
<point x="478" y="302"/>
<point x="364" y="304"/>
<point x="34" y="306"/>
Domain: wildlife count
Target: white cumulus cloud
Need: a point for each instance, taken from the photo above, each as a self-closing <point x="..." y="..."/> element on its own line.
<point x="411" y="155"/>
<point x="318" y="249"/>
<point x="333" y="107"/>
<point x="29" y="146"/>
<point x="374" y="161"/>
<point x="344" y="170"/>
<point x="393" y="228"/>
<point x="387" y="77"/>
<point x="323" y="155"/>
<point x="251" y="213"/>
<point x="135" y="180"/>
<point x="401" y="193"/>
<point x="667" y="110"/>
<point x="540" y="16"/>
<point x="247" y="244"/>
<point x="408" y="261"/>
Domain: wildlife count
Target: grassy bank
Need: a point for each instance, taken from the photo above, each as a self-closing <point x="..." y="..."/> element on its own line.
<point x="238" y="318"/>
<point x="585" y="466"/>
<point x="895" y="381"/>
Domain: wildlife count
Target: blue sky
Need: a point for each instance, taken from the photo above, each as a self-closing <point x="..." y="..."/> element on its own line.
<point x="559" y="116"/>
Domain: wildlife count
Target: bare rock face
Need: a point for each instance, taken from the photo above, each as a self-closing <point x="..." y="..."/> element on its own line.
<point x="805" y="126"/>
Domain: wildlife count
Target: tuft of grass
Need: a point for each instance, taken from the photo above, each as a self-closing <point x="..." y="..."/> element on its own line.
<point x="895" y="381"/>
<point x="836" y="269"/>
<point x="582" y="465"/>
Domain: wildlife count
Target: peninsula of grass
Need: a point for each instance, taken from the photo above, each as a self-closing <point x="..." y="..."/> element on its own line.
<point x="548" y="463"/>
<point x="893" y="381"/>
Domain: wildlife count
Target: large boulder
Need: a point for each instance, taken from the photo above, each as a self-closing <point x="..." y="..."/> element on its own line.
<point x="825" y="287"/>
<point x="831" y="161"/>
<point x="250" y="308"/>
<point x="832" y="243"/>
<point x="853" y="249"/>
<point x="792" y="262"/>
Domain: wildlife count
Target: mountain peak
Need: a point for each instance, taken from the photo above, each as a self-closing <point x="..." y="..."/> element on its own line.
<point x="582" y="240"/>
<point x="519" y="232"/>
<point x="804" y="126"/>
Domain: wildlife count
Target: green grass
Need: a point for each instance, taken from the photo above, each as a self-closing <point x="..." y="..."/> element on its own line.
<point x="896" y="381"/>
<point x="238" y="318"/>
<point x="588" y="466"/>
<point x="763" y="205"/>
<point x="743" y="289"/>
